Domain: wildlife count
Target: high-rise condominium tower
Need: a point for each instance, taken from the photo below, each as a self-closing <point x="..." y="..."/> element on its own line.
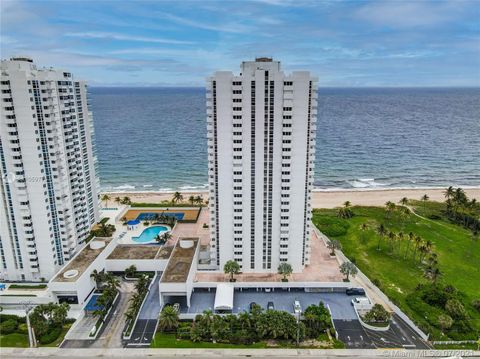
<point x="261" y="152"/>
<point x="48" y="194"/>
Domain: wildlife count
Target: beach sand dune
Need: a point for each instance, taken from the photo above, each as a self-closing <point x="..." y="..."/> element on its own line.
<point x="322" y="199"/>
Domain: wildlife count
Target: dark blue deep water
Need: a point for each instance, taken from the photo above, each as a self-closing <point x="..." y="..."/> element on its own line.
<point x="155" y="138"/>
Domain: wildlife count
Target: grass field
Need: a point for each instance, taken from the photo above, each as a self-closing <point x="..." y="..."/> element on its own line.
<point x="14" y="340"/>
<point x="162" y="340"/>
<point x="458" y="254"/>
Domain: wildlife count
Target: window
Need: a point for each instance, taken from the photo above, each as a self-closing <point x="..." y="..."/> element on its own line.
<point x="237" y="92"/>
<point x="287" y="109"/>
<point x="237" y="83"/>
<point x="288" y="83"/>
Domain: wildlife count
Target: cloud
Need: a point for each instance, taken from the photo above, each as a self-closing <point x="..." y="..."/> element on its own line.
<point x="402" y="14"/>
<point x="122" y="37"/>
<point x="231" y="27"/>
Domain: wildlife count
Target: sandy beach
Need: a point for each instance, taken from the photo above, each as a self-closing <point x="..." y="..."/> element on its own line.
<point x="321" y="199"/>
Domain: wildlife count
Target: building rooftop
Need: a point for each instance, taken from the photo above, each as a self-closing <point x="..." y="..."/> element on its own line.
<point x="75" y="268"/>
<point x="134" y="251"/>
<point x="180" y="262"/>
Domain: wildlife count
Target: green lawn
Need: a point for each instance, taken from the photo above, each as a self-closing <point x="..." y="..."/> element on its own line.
<point x="14" y="340"/>
<point x="162" y="340"/>
<point x="458" y="254"/>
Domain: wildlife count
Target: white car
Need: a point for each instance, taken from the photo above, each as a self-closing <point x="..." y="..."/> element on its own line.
<point x="297" y="308"/>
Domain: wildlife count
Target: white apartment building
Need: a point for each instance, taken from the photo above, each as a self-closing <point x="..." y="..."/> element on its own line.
<point x="261" y="150"/>
<point x="48" y="194"/>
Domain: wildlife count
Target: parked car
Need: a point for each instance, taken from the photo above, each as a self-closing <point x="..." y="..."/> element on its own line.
<point x="361" y="301"/>
<point x="355" y="291"/>
<point x="297" y="308"/>
<point x="251" y="306"/>
<point x="270" y="306"/>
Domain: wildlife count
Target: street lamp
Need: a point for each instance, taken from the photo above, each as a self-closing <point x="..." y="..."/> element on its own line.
<point x="28" y="306"/>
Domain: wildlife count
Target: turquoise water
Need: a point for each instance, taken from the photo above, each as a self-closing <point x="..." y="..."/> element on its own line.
<point x="149" y="234"/>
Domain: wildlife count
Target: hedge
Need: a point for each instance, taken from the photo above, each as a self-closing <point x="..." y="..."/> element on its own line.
<point x="8" y="326"/>
<point x="51" y="336"/>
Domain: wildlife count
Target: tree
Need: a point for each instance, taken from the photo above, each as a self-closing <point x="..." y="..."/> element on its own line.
<point x="112" y="282"/>
<point x="333" y="245"/>
<point x="168" y="320"/>
<point x="130" y="271"/>
<point x="382" y="231"/>
<point x="404" y="201"/>
<point x="105" y="198"/>
<point x="231" y="267"/>
<point x="425" y="198"/>
<point x="377" y="314"/>
<point x="285" y="269"/>
<point x="118" y="200"/>
<point x="345" y="212"/>
<point x="177" y="197"/>
<point x="390" y="208"/>
<point x="98" y="277"/>
<point x="191" y="199"/>
<point x="126" y="200"/>
<point x="199" y="200"/>
<point x="162" y="239"/>
<point x="44" y="317"/>
<point x="347" y="269"/>
<point x="449" y="193"/>
<point x="445" y="322"/>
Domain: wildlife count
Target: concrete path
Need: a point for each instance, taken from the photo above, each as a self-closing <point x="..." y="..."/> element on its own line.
<point x="16" y="353"/>
<point x="112" y="333"/>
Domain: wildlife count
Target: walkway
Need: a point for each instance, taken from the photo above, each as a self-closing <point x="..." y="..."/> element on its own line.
<point x="144" y="329"/>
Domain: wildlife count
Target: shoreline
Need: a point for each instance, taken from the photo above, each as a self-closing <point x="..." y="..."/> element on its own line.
<point x="320" y="198"/>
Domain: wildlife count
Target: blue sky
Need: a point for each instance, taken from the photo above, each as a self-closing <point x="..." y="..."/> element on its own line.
<point x="179" y="43"/>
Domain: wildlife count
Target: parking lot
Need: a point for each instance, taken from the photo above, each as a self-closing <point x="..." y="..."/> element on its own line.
<point x="202" y="299"/>
<point x="349" y="329"/>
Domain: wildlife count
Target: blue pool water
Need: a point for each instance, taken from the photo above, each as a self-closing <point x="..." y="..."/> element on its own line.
<point x="149" y="216"/>
<point x="149" y="234"/>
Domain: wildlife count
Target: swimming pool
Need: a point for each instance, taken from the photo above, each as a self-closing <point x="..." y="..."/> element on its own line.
<point x="149" y="234"/>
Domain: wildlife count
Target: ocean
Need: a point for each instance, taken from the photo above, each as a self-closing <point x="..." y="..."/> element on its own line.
<point x="154" y="139"/>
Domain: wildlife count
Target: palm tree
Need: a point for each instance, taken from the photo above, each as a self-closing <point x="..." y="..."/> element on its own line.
<point x="126" y="200"/>
<point x="285" y="270"/>
<point x="199" y="200"/>
<point x="391" y="238"/>
<point x="191" y="199"/>
<point x="177" y="197"/>
<point x="425" y="198"/>
<point x="410" y="239"/>
<point x="168" y="320"/>
<point x="98" y="277"/>
<point x="347" y="204"/>
<point x="418" y="243"/>
<point x="390" y="207"/>
<point x="105" y="198"/>
<point x="112" y="281"/>
<point x="449" y="193"/>
<point x="404" y="201"/>
<point x="382" y="231"/>
<point x="118" y="200"/>
<point x="130" y="271"/>
<point x="231" y="267"/>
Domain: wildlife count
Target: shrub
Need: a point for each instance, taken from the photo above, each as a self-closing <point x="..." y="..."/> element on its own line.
<point x="51" y="335"/>
<point x="4" y="317"/>
<point x="183" y="330"/>
<point x="22" y="328"/>
<point x="476" y="304"/>
<point x="455" y="308"/>
<point x="377" y="282"/>
<point x="334" y="230"/>
<point x="377" y="314"/>
<point x="9" y="326"/>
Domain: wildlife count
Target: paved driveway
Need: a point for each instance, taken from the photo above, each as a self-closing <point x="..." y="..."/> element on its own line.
<point x="339" y="303"/>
